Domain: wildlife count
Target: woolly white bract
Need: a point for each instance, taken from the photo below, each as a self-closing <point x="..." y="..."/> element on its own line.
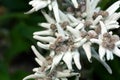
<point x="79" y="26"/>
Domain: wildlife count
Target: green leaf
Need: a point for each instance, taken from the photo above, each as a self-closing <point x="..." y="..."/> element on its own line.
<point x="19" y="75"/>
<point x="16" y="5"/>
<point x="21" y="37"/>
<point x="4" y="75"/>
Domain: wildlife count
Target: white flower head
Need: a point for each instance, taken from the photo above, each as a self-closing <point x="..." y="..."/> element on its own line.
<point x="67" y="32"/>
<point x="107" y="43"/>
<point x="37" y="4"/>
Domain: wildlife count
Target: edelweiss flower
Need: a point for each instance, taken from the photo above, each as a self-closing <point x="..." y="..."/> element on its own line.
<point x="68" y="31"/>
<point x="108" y="43"/>
<point x="42" y="73"/>
<point x="39" y="4"/>
<point x="61" y="49"/>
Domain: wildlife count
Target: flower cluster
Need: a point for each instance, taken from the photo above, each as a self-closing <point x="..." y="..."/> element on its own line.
<point x="81" y="25"/>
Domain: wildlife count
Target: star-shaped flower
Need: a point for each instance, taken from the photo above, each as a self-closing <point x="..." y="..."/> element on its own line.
<point x="108" y="43"/>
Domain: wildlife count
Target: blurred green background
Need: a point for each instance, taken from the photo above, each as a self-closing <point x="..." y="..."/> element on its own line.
<point x="16" y="57"/>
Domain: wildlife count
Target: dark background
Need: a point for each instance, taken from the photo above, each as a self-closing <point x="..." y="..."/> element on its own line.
<point x="16" y="57"/>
